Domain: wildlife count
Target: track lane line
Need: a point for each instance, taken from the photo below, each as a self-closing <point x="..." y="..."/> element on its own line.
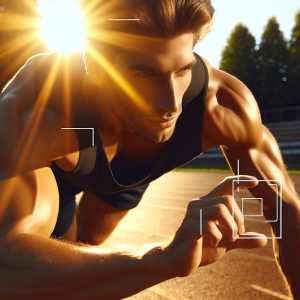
<point x="270" y="292"/>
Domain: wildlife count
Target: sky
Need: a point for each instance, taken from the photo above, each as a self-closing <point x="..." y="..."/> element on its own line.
<point x="252" y="13"/>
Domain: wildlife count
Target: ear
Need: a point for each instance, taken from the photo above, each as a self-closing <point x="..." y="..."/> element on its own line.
<point x="93" y="70"/>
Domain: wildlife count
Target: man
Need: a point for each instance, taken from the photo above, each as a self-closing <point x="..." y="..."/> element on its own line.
<point x="140" y="113"/>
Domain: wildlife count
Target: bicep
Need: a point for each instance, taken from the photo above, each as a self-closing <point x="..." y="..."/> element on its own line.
<point x="29" y="203"/>
<point x="231" y="115"/>
<point x="267" y="150"/>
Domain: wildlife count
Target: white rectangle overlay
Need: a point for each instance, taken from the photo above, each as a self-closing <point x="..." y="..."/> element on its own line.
<point x="280" y="209"/>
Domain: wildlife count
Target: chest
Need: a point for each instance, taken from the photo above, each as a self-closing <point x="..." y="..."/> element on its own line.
<point x="129" y="151"/>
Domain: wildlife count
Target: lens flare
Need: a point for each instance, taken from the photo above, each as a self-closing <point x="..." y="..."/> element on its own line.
<point x="62" y="27"/>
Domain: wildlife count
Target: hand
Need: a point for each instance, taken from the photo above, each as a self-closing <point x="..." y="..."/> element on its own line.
<point x="188" y="250"/>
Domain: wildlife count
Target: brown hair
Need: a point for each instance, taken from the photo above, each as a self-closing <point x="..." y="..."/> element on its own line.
<point x="161" y="18"/>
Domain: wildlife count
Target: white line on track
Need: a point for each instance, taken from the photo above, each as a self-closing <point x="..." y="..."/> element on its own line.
<point x="269" y="292"/>
<point x="167" y="294"/>
<point x="184" y="198"/>
<point x="163" y="207"/>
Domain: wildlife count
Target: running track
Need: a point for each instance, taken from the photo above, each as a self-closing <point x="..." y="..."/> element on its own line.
<point x="239" y="274"/>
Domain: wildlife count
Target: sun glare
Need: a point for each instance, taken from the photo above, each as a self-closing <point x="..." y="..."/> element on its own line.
<point x="61" y="27"/>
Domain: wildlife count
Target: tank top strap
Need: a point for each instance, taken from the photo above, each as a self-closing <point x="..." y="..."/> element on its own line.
<point x="198" y="81"/>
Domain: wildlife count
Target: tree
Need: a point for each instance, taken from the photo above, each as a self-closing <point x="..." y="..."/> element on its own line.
<point x="237" y="56"/>
<point x="272" y="67"/>
<point x="19" y="36"/>
<point x="294" y="63"/>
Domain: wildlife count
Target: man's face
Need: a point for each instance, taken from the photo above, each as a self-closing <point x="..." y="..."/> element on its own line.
<point x="161" y="76"/>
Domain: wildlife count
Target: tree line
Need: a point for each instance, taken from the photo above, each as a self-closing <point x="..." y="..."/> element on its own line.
<point x="271" y="70"/>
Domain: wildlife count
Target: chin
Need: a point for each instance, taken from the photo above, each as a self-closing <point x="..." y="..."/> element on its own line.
<point x="157" y="137"/>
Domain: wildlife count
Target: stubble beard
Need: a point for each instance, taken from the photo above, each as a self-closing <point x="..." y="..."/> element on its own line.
<point x="125" y="115"/>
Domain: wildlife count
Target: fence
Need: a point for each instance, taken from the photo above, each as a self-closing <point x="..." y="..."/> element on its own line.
<point x="284" y="114"/>
<point x="287" y="135"/>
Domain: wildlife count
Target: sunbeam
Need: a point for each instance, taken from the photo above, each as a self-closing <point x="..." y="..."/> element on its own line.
<point x="62" y="26"/>
<point x="28" y="137"/>
<point x="124" y="85"/>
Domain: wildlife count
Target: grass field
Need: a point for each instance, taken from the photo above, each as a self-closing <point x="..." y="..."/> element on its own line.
<point x="196" y="167"/>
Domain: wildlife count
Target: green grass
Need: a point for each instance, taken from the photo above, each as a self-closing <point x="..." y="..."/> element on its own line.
<point x="293" y="169"/>
<point x="195" y="166"/>
<point x="202" y="170"/>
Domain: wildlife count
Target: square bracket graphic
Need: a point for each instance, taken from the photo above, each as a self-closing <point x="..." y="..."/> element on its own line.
<point x="278" y="186"/>
<point x="261" y="209"/>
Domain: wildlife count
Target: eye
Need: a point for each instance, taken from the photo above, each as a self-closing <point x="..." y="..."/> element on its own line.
<point x="185" y="71"/>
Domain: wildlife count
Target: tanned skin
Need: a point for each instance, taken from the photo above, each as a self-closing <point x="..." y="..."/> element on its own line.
<point x="49" y="268"/>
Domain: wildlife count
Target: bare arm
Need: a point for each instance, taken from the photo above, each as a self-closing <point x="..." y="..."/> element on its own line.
<point x="264" y="162"/>
<point x="30" y="133"/>
<point x="234" y="121"/>
<point x="35" y="266"/>
<point x="54" y="270"/>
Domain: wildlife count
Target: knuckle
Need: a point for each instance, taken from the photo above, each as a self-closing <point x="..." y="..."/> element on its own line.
<point x="210" y="226"/>
<point x="221" y="208"/>
<point x="241" y="221"/>
<point x="229" y="178"/>
<point x="228" y="199"/>
<point x="219" y="235"/>
<point x="191" y="205"/>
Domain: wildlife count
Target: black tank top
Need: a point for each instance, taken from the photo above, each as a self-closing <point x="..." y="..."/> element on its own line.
<point x="93" y="172"/>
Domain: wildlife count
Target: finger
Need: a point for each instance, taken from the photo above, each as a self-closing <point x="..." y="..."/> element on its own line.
<point x="257" y="241"/>
<point x="225" y="187"/>
<point x="221" y="214"/>
<point x="228" y="201"/>
<point x="210" y="229"/>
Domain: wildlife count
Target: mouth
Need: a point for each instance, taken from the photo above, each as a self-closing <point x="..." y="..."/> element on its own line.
<point x="164" y="123"/>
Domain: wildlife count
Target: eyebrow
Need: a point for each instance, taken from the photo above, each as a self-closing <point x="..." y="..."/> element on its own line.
<point x="142" y="67"/>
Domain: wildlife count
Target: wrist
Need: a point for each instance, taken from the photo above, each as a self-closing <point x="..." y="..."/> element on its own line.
<point x="155" y="261"/>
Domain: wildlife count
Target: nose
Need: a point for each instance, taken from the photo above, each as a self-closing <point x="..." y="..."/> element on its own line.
<point x="169" y="102"/>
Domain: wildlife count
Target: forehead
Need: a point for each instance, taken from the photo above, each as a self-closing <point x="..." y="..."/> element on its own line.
<point x="158" y="51"/>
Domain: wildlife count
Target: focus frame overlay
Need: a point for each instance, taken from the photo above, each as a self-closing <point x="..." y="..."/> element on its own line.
<point x="279" y="182"/>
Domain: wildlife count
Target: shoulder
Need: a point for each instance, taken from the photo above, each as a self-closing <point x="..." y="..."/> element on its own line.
<point x="231" y="115"/>
<point x="30" y="132"/>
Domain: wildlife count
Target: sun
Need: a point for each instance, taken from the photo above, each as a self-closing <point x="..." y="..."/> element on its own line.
<point x="62" y="27"/>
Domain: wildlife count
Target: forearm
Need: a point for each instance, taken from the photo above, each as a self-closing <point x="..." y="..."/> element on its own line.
<point x="36" y="267"/>
<point x="265" y="163"/>
<point x="287" y="249"/>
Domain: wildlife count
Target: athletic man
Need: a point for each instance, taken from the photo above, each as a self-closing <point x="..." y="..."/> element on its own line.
<point x="145" y="104"/>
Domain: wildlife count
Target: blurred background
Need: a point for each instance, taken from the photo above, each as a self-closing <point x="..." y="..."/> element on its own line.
<point x="258" y="41"/>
